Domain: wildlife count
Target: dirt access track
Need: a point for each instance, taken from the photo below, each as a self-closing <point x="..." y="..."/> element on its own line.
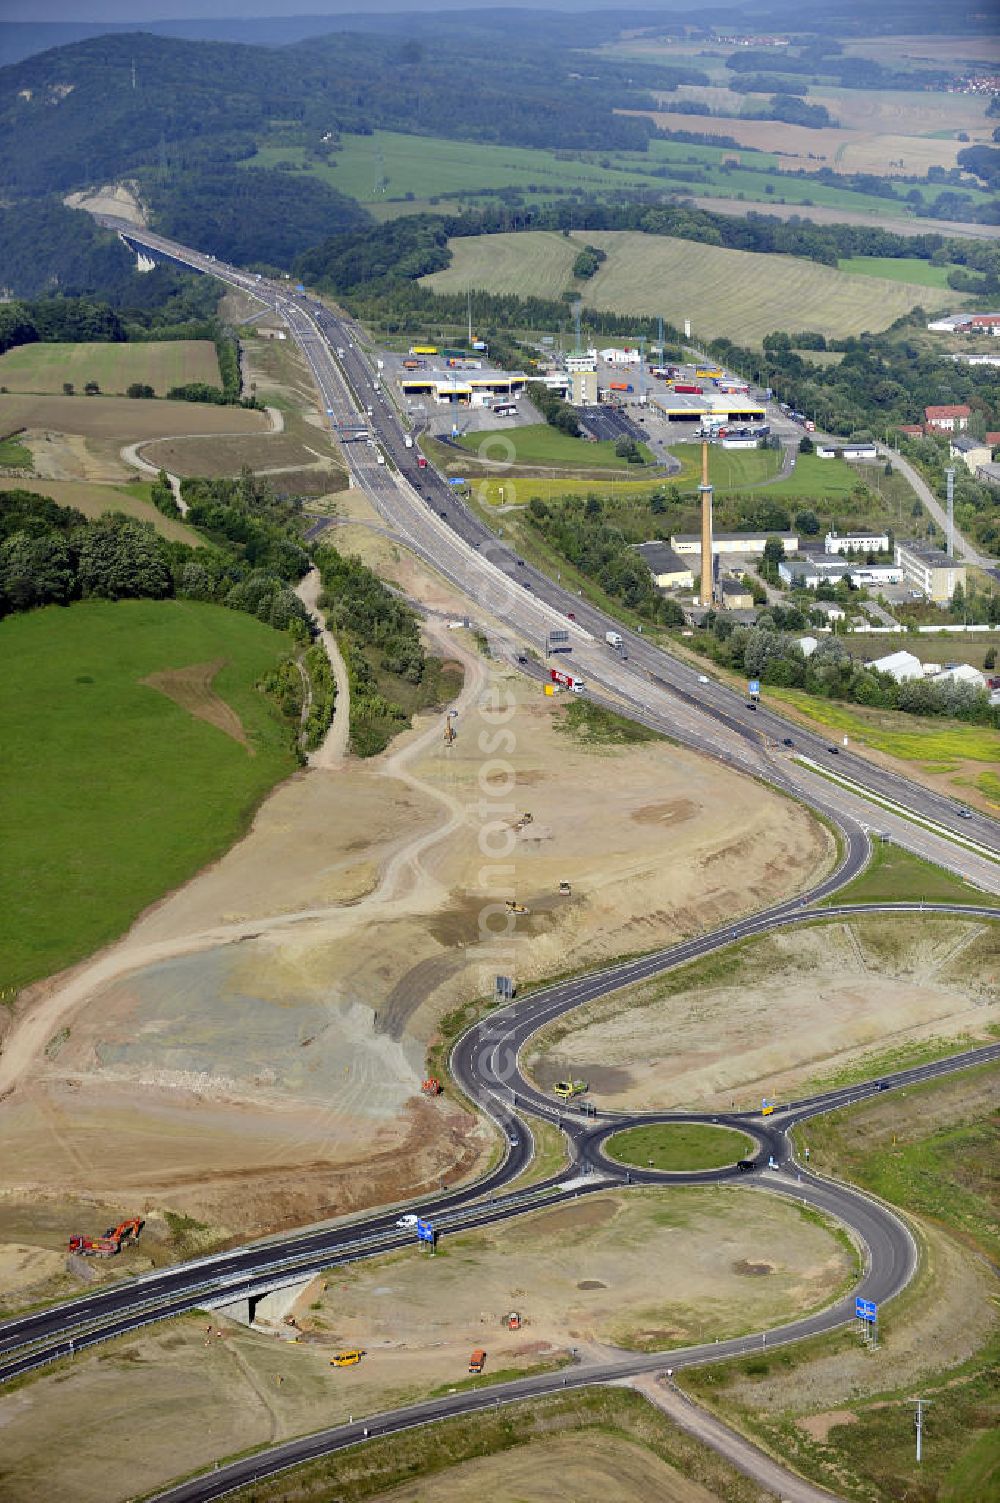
<point x="250" y="1054"/>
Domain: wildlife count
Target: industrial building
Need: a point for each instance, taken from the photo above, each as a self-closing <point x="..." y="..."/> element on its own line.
<point x="933" y="573"/>
<point x="734" y="595"/>
<point x="684" y="407"/>
<point x="973" y="452"/>
<point x="668" y="570"/>
<point x="583" y="388"/>
<point x="856" y="542"/>
<point x="852" y="452"/>
<point x="900" y="666"/>
<point x="686" y="543"/>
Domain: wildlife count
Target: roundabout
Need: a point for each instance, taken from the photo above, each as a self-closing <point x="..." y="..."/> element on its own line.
<point x="679" y="1147"/>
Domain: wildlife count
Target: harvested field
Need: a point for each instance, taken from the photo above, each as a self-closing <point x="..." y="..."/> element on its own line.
<point x="881" y="217"/>
<point x="279" y="456"/>
<point x="42" y="368"/>
<point x="802" y="147"/>
<point x="94" y="500"/>
<point x="585" y="1467"/>
<point x="741" y="294"/>
<point x="775" y="1014"/>
<point x="122" y="420"/>
<point x="417" y="1320"/>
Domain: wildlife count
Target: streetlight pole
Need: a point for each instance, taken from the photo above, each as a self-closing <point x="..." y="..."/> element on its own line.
<point x="920" y="1424"/>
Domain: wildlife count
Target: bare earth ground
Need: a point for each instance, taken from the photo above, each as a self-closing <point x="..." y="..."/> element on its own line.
<point x="584" y="1275"/>
<point x="590" y="1468"/>
<point x="114" y="198"/>
<point x="787" y="1008"/>
<point x="261" y="1034"/>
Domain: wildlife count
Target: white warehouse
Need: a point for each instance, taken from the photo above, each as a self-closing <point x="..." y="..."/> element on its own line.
<point x="856" y="542"/>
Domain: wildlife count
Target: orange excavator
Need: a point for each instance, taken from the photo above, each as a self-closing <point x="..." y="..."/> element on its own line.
<point x="111" y="1243"/>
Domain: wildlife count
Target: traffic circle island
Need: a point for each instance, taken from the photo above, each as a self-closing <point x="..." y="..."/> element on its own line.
<point x="679" y="1147"/>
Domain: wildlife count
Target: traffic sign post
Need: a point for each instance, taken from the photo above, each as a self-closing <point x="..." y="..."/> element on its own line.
<point x="426" y="1234"/>
<point x="558" y="642"/>
<point x="866" y="1313"/>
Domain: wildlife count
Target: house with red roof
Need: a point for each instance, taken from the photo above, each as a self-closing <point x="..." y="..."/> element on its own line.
<point x="948" y="419"/>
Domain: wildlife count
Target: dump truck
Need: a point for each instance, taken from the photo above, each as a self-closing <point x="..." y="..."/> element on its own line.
<point x="613" y="639"/>
<point x="569" y="1088"/>
<point x="477" y="1361"/>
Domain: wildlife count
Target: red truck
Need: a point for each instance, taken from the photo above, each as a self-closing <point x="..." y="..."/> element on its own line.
<point x="695" y="390"/>
<point x="421" y="462"/>
<point x="567" y="680"/>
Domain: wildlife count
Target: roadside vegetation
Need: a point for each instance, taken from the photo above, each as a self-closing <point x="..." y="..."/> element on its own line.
<point x="391" y="677"/>
<point x="930" y="1151"/>
<point x="897" y="876"/>
<point x="594" y="726"/>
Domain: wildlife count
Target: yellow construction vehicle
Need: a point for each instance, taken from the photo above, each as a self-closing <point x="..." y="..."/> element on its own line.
<point x="513" y="906"/>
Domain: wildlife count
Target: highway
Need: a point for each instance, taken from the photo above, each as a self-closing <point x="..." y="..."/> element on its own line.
<point x="666" y="693"/>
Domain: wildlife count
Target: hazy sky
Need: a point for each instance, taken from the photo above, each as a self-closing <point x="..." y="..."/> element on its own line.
<point x="141" y="11"/>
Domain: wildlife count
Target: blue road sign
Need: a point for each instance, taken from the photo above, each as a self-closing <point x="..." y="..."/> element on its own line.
<point x="425" y="1232"/>
<point x="459" y="480"/>
<point x="866" y="1309"/>
<point x="753" y="687"/>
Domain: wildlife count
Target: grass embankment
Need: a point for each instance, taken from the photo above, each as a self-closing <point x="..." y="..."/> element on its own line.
<point x="115" y="792"/>
<point x="895" y="876"/>
<point x="932" y="1151"/>
<point x="677" y="1147"/>
<point x="594" y="726"/>
<point x="542" y="445"/>
<point x="821" y="478"/>
<point x="937" y="746"/>
<point x="430" y="1452"/>
<point x="14" y="455"/>
<point x="160" y="364"/>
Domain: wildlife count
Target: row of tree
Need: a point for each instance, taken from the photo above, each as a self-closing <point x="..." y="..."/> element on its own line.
<point x="377" y="634"/>
<point x="766" y="653"/>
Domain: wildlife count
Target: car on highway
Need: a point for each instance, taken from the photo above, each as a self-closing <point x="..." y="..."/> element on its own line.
<point x="444" y="514"/>
<point x="520" y="563"/>
<point x="834" y="751"/>
<point x="787" y="741"/>
<point x="513" y="1140"/>
<point x="407" y="1221"/>
<point x="703" y="678"/>
<point x="965" y="813"/>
